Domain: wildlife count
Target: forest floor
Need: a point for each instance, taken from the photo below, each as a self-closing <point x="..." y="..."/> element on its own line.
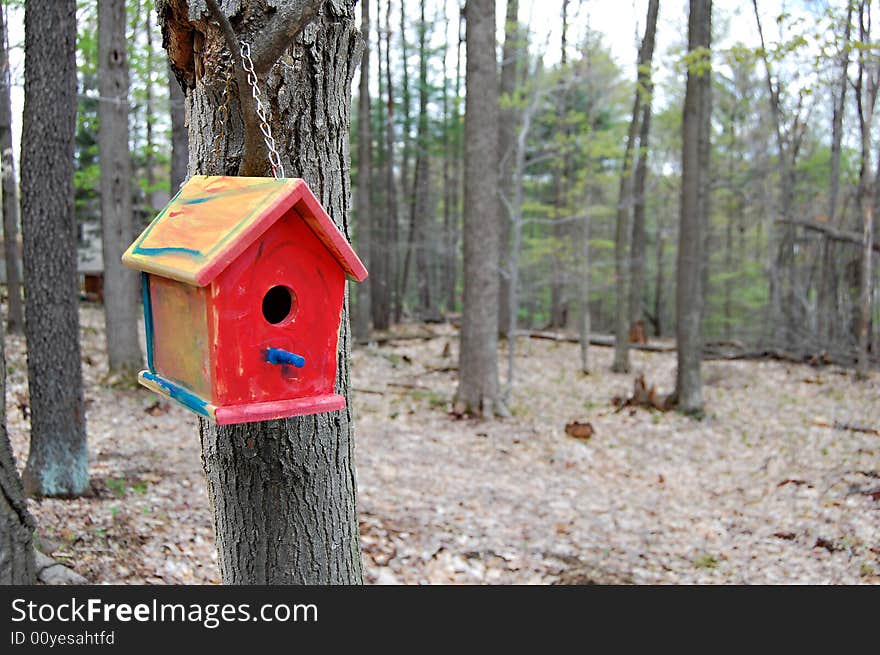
<point x="761" y="490"/>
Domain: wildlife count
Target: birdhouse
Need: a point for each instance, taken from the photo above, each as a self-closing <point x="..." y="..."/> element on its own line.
<point x="243" y="281"/>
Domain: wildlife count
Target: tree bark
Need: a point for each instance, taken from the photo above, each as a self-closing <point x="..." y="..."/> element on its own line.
<point x="406" y="190"/>
<point x="58" y="459"/>
<point x="867" y="84"/>
<point x="507" y="127"/>
<point x="558" y="299"/>
<point x="826" y="301"/>
<point x="120" y="283"/>
<point x="637" y="250"/>
<point x="361" y="326"/>
<point x="694" y="189"/>
<point x="15" y="313"/>
<point x="422" y="209"/>
<point x="385" y="261"/>
<point x="478" y="392"/>
<point x="283" y="492"/>
<point x="16" y="523"/>
<point x="622" y="232"/>
<point x="179" y="138"/>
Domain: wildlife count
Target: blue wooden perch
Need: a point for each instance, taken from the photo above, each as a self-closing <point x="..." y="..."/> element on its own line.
<point x="281" y="356"/>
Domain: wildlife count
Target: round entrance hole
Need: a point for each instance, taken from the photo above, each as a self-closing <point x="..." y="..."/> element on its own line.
<point x="278" y="304"/>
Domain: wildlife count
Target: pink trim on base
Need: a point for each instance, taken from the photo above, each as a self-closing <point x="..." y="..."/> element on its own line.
<point x="276" y="409"/>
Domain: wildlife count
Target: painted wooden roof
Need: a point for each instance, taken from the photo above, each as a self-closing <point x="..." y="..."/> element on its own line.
<point x="213" y="219"/>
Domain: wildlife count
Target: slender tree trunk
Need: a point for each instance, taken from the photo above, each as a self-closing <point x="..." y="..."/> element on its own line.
<point x="457" y="157"/>
<point x="867" y="85"/>
<point x="658" y="286"/>
<point x="15" y="314"/>
<point x="622" y="232"/>
<point x="149" y="118"/>
<point x="58" y="459"/>
<point x="478" y="392"/>
<point x="584" y="323"/>
<point x="16" y="523"/>
<point x="282" y="492"/>
<point x="827" y="307"/>
<point x="364" y="312"/>
<point x="179" y="138"/>
<point x="406" y="189"/>
<point x="421" y="206"/>
<point x="694" y="191"/>
<point x="381" y="248"/>
<point x="120" y="283"/>
<point x="448" y="258"/>
<point x="637" y="251"/>
<point x="558" y="301"/>
<point x="385" y="296"/>
<point x="507" y="126"/>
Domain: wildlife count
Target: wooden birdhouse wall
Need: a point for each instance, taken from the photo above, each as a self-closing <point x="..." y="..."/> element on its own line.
<point x="179" y="335"/>
<point x="290" y="256"/>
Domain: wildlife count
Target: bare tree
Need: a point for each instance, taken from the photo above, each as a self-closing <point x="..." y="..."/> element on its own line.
<point x="16" y="523"/>
<point x="694" y="196"/>
<point x="622" y="232"/>
<point x="867" y="83"/>
<point x="478" y="392"/>
<point x="15" y="314"/>
<point x="120" y="283"/>
<point x="363" y="313"/>
<point x="58" y="458"/>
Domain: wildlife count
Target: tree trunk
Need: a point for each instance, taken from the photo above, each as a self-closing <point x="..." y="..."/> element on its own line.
<point x="406" y="190"/>
<point x="384" y="285"/>
<point x="421" y="207"/>
<point x="15" y="314"/>
<point x="622" y="232"/>
<point x="457" y="157"/>
<point x="16" y="523"/>
<point x="558" y="300"/>
<point x="694" y="182"/>
<point x="364" y="312"/>
<point x="58" y="460"/>
<point x="282" y="492"/>
<point x="637" y="251"/>
<point x="867" y="85"/>
<point x="658" y="286"/>
<point x="507" y="126"/>
<point x="120" y="283"/>
<point x="179" y="138"/>
<point x="478" y="392"/>
<point x="826" y="305"/>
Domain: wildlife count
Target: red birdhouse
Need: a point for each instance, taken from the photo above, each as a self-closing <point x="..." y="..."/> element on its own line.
<point x="243" y="282"/>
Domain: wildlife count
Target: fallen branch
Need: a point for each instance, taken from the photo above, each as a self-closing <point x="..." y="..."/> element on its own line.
<point x="851" y="427"/>
<point x="830" y="232"/>
<point x="595" y="340"/>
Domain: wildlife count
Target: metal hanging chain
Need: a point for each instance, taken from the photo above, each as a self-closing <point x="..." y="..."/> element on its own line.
<point x="274" y="157"/>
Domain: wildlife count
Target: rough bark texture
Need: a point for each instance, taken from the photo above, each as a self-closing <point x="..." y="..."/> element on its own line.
<point x="478" y="392"/>
<point x="282" y="492"/>
<point x="120" y="282"/>
<point x="384" y="260"/>
<point x="16" y="524"/>
<point x="15" y="312"/>
<point x="422" y="206"/>
<point x="361" y="326"/>
<point x="827" y="291"/>
<point x="637" y="250"/>
<point x="694" y="191"/>
<point x="507" y="124"/>
<point x="57" y="463"/>
<point x="179" y="137"/>
<point x="622" y="233"/>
